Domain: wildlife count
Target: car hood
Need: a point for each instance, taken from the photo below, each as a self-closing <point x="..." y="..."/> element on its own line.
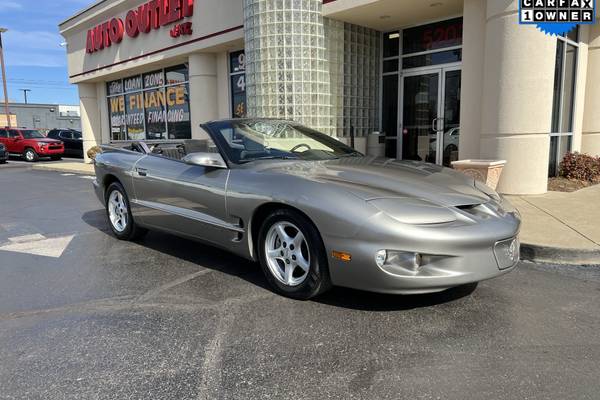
<point x="46" y="140"/>
<point x="379" y="178"/>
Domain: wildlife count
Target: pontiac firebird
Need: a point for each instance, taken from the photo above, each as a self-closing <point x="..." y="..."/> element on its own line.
<point x="311" y="210"/>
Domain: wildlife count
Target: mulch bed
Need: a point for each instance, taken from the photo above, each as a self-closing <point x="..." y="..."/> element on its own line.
<point x="567" y="185"/>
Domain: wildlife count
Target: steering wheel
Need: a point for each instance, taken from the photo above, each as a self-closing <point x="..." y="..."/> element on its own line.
<point x="295" y="148"/>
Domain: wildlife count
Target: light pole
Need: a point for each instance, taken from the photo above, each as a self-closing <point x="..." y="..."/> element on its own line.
<point x="6" y="110"/>
<point x="25" y="93"/>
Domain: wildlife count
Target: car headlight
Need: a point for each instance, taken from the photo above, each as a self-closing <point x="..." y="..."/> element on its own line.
<point x="395" y="261"/>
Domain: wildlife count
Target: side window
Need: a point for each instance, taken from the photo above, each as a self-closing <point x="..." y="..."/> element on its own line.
<point x="3" y="133"/>
<point x="52" y="134"/>
<point x="66" y="135"/>
<point x="14" y="134"/>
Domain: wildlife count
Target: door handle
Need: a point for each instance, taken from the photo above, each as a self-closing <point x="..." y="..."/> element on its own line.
<point x="434" y="125"/>
<point x="142" y="171"/>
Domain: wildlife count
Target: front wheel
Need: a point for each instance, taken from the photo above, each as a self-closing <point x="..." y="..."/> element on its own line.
<point x="30" y="155"/>
<point x="119" y="214"/>
<point x="292" y="255"/>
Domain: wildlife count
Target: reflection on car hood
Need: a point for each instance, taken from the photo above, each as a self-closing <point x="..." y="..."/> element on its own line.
<point x="371" y="178"/>
<point x="46" y="140"/>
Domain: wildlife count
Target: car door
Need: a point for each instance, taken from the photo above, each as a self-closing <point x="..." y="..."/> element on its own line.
<point x="77" y="144"/>
<point x="67" y="138"/>
<point x="185" y="199"/>
<point x="16" y="143"/>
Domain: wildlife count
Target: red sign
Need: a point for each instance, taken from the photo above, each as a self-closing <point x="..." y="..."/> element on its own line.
<point x="152" y="15"/>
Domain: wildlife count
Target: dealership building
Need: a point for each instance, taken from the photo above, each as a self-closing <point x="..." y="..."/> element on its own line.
<point x="441" y="80"/>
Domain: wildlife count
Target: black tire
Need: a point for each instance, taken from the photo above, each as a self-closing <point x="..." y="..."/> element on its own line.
<point x="56" y="158"/>
<point x="132" y="231"/>
<point x="3" y="162"/>
<point x="318" y="280"/>
<point x="30" y="155"/>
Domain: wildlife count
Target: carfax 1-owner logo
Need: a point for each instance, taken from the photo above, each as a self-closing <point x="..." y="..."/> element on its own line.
<point x="557" y="17"/>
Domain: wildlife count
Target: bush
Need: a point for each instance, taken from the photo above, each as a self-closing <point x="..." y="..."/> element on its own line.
<point x="582" y="167"/>
<point x="92" y="152"/>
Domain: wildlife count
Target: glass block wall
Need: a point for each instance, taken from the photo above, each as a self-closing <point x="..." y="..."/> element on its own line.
<point x="318" y="71"/>
<point x="287" y="70"/>
<point x="353" y="53"/>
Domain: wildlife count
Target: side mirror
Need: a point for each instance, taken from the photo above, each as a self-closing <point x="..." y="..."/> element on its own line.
<point x="209" y="160"/>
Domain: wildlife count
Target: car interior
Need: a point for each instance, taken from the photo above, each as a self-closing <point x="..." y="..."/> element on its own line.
<point x="174" y="151"/>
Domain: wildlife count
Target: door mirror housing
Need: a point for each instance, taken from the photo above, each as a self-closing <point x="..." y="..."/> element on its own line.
<point x="209" y="160"/>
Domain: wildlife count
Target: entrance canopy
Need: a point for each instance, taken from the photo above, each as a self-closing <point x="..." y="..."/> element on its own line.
<point x="386" y="15"/>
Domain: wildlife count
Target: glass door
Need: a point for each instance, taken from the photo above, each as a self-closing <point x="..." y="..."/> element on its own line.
<point x="450" y="130"/>
<point x="420" y="112"/>
<point x="431" y="115"/>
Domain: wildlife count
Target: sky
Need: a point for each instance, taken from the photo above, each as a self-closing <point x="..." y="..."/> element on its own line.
<point x="34" y="58"/>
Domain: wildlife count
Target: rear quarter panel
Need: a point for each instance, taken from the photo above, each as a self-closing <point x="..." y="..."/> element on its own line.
<point x="117" y="164"/>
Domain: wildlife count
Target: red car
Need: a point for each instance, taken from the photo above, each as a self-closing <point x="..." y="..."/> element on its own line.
<point x="30" y="144"/>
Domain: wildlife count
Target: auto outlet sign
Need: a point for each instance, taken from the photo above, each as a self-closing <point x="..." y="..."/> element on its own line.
<point x="152" y="15"/>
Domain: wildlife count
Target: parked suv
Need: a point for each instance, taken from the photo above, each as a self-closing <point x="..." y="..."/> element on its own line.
<point x="71" y="139"/>
<point x="30" y="144"/>
<point x="3" y="154"/>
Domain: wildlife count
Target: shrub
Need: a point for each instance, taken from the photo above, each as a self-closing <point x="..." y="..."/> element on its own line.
<point x="579" y="166"/>
<point x="92" y="152"/>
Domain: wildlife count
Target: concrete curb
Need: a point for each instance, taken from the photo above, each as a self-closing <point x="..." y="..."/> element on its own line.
<point x="556" y="255"/>
<point x="57" y="168"/>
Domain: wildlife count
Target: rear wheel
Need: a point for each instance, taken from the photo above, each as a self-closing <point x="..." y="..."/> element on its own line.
<point x="30" y="155"/>
<point x="119" y="214"/>
<point x="292" y="255"/>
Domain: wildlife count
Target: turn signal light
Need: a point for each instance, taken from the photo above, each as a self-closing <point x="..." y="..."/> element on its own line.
<point x="340" y="255"/>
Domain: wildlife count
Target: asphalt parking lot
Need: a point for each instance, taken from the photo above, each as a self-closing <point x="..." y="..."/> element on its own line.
<point x="84" y="316"/>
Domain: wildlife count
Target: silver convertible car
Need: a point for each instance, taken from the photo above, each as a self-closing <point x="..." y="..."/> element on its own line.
<point x="311" y="210"/>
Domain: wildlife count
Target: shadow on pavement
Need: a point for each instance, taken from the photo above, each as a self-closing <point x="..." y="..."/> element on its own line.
<point x="219" y="260"/>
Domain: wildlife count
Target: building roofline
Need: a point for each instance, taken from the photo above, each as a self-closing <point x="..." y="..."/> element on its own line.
<point x="80" y="13"/>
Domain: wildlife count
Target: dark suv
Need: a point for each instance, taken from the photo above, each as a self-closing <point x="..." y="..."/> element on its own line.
<point x="3" y="154"/>
<point x="72" y="140"/>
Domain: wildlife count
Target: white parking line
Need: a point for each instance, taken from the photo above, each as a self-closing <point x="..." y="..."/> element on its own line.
<point x="38" y="245"/>
<point x="68" y="174"/>
<point x="87" y="177"/>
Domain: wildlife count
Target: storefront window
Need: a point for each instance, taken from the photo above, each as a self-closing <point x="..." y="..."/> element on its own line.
<point x="178" y="115"/>
<point x="436" y="36"/>
<point x="237" y="68"/>
<point x="156" y="124"/>
<point x="563" y="104"/>
<point x="152" y="106"/>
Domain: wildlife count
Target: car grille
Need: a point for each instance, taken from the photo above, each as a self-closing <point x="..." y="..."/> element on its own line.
<point x="55" y="147"/>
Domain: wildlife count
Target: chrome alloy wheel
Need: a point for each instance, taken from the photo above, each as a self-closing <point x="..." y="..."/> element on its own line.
<point x="117" y="211"/>
<point x="29" y="155"/>
<point x="287" y="253"/>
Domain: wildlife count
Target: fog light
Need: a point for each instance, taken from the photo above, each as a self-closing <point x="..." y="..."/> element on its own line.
<point x="380" y="258"/>
<point x="402" y="259"/>
<point x="507" y="253"/>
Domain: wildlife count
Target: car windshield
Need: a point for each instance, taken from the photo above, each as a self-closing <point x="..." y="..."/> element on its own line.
<point x="251" y="140"/>
<point x="32" y="134"/>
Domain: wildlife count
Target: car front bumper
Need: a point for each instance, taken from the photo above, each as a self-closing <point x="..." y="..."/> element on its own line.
<point x="51" y="152"/>
<point x="450" y="257"/>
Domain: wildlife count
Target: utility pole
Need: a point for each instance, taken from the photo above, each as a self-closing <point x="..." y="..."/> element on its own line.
<point x="25" y="93"/>
<point x="6" y="110"/>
